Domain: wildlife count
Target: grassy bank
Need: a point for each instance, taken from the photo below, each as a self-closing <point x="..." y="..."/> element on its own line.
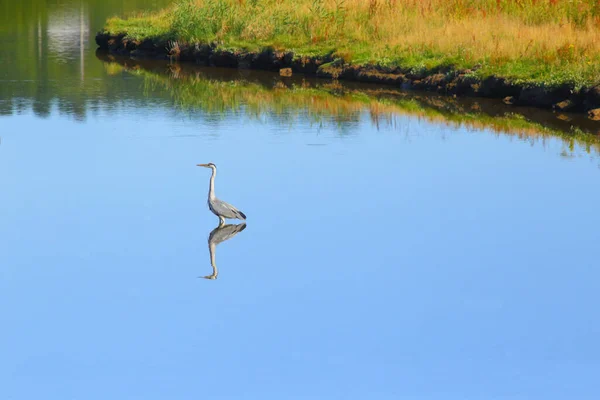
<point x="549" y="42"/>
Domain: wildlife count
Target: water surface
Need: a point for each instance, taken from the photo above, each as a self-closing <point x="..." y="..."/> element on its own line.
<point x="397" y="245"/>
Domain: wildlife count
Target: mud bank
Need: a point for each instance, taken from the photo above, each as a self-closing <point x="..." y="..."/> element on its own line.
<point x="444" y="81"/>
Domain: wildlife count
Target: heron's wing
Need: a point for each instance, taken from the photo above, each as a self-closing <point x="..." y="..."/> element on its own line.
<point x="228" y="210"/>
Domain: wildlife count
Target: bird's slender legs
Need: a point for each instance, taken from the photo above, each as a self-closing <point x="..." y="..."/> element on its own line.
<point x="221" y="221"/>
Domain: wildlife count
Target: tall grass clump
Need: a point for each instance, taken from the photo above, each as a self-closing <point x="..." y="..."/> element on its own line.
<point x="546" y="41"/>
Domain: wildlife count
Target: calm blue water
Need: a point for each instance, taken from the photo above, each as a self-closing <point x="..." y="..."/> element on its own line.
<point x="409" y="261"/>
<point x="434" y="265"/>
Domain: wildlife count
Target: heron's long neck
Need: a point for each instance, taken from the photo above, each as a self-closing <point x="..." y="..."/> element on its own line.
<point x="211" y="189"/>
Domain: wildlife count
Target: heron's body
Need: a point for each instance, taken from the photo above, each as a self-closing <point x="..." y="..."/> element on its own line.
<point x="218" y="207"/>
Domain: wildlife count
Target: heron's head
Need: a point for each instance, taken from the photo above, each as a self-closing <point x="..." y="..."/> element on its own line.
<point x="209" y="165"/>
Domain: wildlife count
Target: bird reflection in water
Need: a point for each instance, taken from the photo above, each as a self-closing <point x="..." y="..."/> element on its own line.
<point x="220" y="234"/>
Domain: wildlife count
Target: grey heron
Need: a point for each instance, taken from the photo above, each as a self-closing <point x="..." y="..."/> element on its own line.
<point x="220" y="234"/>
<point x="218" y="207"/>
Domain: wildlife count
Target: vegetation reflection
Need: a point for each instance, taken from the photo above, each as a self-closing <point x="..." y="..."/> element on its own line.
<point x="264" y="95"/>
<point x="47" y="54"/>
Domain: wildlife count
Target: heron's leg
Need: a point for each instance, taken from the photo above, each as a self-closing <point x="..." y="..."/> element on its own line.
<point x="221" y="221"/>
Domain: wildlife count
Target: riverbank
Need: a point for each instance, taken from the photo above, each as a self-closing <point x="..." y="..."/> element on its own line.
<point x="545" y="54"/>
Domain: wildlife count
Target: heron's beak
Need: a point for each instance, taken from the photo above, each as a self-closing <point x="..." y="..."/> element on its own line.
<point x="201" y="165"/>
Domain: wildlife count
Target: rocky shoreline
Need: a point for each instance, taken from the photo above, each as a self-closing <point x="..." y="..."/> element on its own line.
<point x="452" y="82"/>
